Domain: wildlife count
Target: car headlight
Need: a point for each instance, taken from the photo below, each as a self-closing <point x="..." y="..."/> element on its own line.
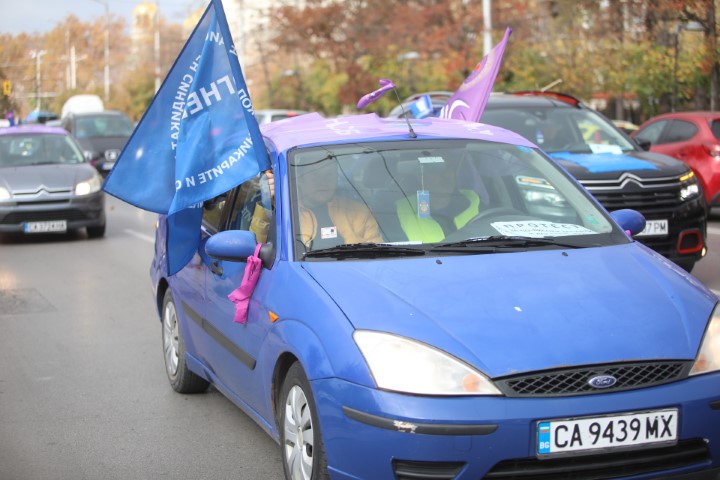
<point x="4" y="194"/>
<point x="690" y="187"/>
<point x="708" y="359"/>
<point x="404" y="365"/>
<point x="89" y="186"/>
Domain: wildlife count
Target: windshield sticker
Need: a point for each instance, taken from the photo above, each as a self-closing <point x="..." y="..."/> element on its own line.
<point x="603" y="148"/>
<point x="604" y="162"/>
<point x="328" y="232"/>
<point x="540" y="229"/>
<point x="431" y="160"/>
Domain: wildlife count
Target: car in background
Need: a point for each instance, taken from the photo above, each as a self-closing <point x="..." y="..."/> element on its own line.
<point x="614" y="168"/>
<point x="692" y="137"/>
<point x="273" y="115"/>
<point x="101" y="135"/>
<point x="535" y="340"/>
<point x="46" y="185"/>
<point x="41" y="116"/>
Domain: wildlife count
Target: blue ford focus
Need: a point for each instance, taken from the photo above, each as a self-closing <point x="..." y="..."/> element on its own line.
<point x="442" y="300"/>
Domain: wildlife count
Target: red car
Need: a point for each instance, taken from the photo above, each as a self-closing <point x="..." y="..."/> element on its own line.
<point x="694" y="138"/>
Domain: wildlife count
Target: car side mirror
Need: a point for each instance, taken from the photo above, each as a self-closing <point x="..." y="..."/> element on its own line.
<point x="237" y="246"/>
<point x="643" y="143"/>
<point x="629" y="220"/>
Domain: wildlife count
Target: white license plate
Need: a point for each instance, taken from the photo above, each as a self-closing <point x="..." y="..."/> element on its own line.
<point x="654" y="227"/>
<point x="108" y="166"/>
<point x="44" y="227"/>
<point x="582" y="435"/>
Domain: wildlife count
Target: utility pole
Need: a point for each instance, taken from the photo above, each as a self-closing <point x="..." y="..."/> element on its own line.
<point x="107" y="47"/>
<point x="37" y="55"/>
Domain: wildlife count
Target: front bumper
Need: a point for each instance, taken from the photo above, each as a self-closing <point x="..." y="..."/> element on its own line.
<point x="78" y="212"/>
<point x="375" y="434"/>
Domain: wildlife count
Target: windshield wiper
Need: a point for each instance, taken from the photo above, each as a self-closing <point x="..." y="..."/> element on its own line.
<point x="496" y="242"/>
<point x="364" y="250"/>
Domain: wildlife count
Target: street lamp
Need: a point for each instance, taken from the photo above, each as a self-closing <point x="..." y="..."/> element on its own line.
<point x="690" y="26"/>
<point x="107" y="47"/>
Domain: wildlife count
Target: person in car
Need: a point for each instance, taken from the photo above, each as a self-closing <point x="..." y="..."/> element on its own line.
<point x="439" y="207"/>
<point x="326" y="218"/>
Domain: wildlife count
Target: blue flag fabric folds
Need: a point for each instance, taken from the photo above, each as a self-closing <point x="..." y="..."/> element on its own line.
<point x="468" y="102"/>
<point x="198" y="138"/>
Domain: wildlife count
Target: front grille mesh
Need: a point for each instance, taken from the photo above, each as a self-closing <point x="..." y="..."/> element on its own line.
<point x="609" y="465"/>
<point x="574" y="381"/>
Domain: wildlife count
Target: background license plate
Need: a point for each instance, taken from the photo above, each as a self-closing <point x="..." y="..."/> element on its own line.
<point x="654" y="227"/>
<point x="42" y="227"/>
<point x="594" y="433"/>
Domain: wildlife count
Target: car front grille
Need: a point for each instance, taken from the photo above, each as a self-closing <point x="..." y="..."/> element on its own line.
<point x="575" y="381"/>
<point x="608" y="465"/>
<point x="652" y="195"/>
<point x="19" y="217"/>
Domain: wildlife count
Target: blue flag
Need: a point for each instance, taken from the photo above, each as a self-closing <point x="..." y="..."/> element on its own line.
<point x="197" y="139"/>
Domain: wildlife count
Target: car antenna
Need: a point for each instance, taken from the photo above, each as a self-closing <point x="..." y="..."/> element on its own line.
<point x="385" y="85"/>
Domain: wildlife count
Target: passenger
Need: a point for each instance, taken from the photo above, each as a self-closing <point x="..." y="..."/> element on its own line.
<point x="439" y="207"/>
<point x="328" y="219"/>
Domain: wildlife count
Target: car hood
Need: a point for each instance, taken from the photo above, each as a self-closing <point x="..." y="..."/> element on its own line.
<point x="518" y="312"/>
<point x="611" y="166"/>
<point x="52" y="177"/>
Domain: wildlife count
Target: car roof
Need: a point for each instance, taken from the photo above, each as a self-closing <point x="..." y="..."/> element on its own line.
<point x="32" y="128"/>
<point x="695" y="114"/>
<point x="314" y="129"/>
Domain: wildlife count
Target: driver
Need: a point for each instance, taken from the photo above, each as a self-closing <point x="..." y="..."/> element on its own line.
<point x="438" y="208"/>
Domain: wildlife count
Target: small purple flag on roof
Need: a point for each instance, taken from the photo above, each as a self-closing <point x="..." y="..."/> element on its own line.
<point x="385" y="86"/>
<point x="468" y="102"/>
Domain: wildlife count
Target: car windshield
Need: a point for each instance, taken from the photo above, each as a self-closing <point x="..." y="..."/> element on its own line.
<point x="432" y="193"/>
<point x="561" y="129"/>
<point x="99" y="126"/>
<point x="38" y="149"/>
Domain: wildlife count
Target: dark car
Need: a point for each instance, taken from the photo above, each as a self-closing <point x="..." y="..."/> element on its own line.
<point x="614" y="168"/>
<point x="694" y="138"/>
<point x="46" y="186"/>
<point x="101" y="135"/>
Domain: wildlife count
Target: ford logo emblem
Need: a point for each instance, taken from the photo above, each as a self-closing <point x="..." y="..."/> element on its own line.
<point x="602" y="381"/>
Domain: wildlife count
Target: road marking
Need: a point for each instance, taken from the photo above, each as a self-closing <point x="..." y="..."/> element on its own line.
<point x="141" y="236"/>
<point x="713" y="230"/>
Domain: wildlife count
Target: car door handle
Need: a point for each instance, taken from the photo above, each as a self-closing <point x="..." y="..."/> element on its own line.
<point x="215" y="268"/>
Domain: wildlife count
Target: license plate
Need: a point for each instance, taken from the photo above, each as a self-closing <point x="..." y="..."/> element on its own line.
<point x="583" y="435"/>
<point x="44" y="227"/>
<point x="108" y="166"/>
<point x="654" y="227"/>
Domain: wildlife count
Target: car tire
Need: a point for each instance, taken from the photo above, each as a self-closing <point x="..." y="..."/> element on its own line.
<point x="96" y="232"/>
<point x="303" y="453"/>
<point x="182" y="380"/>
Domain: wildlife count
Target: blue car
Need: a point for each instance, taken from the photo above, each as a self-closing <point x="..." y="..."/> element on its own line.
<point x="440" y="299"/>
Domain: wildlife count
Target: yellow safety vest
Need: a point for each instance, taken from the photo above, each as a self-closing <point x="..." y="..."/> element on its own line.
<point x="428" y="230"/>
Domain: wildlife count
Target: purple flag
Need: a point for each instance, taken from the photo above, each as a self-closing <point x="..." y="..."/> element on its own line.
<point x="385" y="86"/>
<point x="468" y="102"/>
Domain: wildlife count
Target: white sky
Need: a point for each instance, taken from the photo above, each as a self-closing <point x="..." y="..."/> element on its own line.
<point x="39" y="16"/>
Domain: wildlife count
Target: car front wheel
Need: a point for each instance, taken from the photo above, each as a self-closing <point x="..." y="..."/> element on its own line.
<point x="181" y="378"/>
<point x="301" y="442"/>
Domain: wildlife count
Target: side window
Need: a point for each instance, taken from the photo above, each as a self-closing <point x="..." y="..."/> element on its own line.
<point x="252" y="208"/>
<point x="680" y="131"/>
<point x="212" y="212"/>
<point x="652" y="132"/>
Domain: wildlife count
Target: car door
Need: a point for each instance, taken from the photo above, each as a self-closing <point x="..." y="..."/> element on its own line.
<point x="235" y="346"/>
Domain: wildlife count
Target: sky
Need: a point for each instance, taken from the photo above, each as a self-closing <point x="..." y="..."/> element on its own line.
<point x="40" y="16"/>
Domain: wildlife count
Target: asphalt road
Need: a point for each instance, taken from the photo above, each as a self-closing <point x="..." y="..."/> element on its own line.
<point x="83" y="392"/>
